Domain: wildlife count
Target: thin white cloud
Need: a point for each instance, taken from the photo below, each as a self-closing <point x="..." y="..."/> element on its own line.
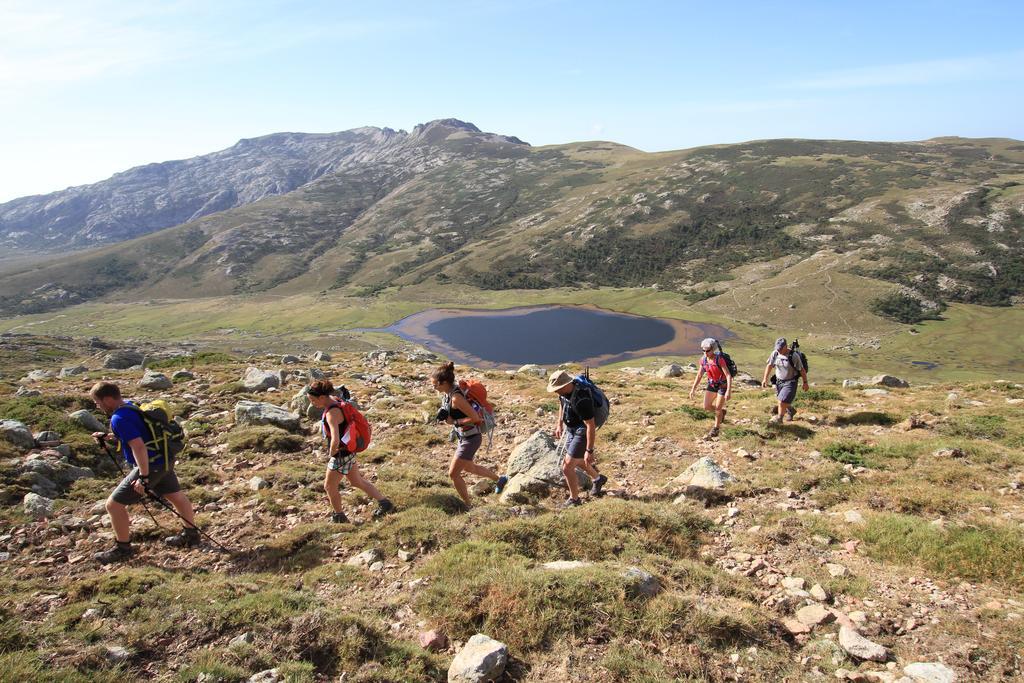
<point x="745" y="106"/>
<point x="982" y="67"/>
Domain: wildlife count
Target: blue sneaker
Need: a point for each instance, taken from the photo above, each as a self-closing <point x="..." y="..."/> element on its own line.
<point x="499" y="485"/>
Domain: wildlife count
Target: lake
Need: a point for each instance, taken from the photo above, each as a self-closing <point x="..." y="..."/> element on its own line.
<point x="551" y="335"/>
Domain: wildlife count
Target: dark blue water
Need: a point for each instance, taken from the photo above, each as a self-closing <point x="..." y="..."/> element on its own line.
<point x="551" y="336"/>
<point x="926" y="364"/>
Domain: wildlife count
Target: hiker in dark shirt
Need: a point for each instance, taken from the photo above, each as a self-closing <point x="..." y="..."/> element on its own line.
<point x="457" y="411"/>
<point x="149" y="471"/>
<point x="576" y="421"/>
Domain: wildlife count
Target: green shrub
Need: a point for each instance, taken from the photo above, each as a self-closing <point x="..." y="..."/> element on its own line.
<point x="191" y="361"/>
<point x="265" y="439"/>
<point x="903" y="308"/>
<point x="847" y="452"/>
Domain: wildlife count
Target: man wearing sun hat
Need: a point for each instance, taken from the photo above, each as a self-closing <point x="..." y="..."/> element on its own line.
<point x="576" y="419"/>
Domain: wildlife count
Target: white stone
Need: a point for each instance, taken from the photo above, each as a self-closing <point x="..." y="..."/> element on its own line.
<point x="480" y="660"/>
<point x="930" y="672"/>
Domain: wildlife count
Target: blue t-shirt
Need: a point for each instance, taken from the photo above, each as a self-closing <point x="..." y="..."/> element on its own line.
<point x="127" y="425"/>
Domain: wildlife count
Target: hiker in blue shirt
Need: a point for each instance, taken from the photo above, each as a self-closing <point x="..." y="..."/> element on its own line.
<point x="149" y="471"/>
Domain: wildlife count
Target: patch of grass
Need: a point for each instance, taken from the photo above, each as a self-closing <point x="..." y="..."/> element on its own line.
<point x="629" y="662"/>
<point x="976" y="552"/>
<point x="191" y="361"/>
<point x="848" y="452"/>
<point x="984" y="427"/>
<point x="695" y="413"/>
<point x="816" y="395"/>
<point x="865" y="417"/>
<point x="303" y="547"/>
<point x="211" y="666"/>
<point x="265" y="439"/>
<point x="607" y="528"/>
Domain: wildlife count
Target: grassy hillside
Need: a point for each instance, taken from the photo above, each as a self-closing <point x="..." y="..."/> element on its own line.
<point x="898" y="514"/>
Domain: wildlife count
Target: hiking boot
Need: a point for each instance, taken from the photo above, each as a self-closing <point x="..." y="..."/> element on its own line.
<point x="595" y="488"/>
<point x="339" y="518"/>
<point x="572" y="503"/>
<point x="499" y="485"/>
<point x="774" y="420"/>
<point x="712" y="433"/>
<point x="384" y="506"/>
<point x="791" y="413"/>
<point x="119" y="553"/>
<point x="188" y="538"/>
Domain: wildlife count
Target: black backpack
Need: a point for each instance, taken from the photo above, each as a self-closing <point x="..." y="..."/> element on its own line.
<point x="729" y="362"/>
<point x="803" y="356"/>
<point x="167" y="438"/>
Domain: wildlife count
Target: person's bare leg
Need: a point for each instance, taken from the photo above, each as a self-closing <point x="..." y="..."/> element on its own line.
<point x="455" y="474"/>
<point x="569" y="470"/>
<point x="357" y="480"/>
<point x="479" y="470"/>
<point x="183" y="505"/>
<point x="119" y="520"/>
<point x="331" y="483"/>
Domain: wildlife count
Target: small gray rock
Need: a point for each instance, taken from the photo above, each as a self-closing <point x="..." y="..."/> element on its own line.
<point x="889" y="381"/>
<point x="17" y="433"/>
<point x="322" y="357"/>
<point x="672" y="370"/>
<point x="39" y="376"/>
<point x="72" y="371"/>
<point x="255" y="379"/>
<point x="182" y="376"/>
<point x="480" y="660"/>
<point x="289" y="359"/>
<point x="641" y="584"/>
<point x="930" y="672"/>
<point x="156" y="381"/>
<point x="46" y="437"/>
<point x="266" y="676"/>
<point x="122" y="360"/>
<point x="118" y="654"/>
<point x="258" y="484"/>
<point x="859" y="647"/>
<point x="365" y="558"/>
<point x="37" y="506"/>
<point x="87" y="420"/>
<point x="238" y="641"/>
<point x="25" y="392"/>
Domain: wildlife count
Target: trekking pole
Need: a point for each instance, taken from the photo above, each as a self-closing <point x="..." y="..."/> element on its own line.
<point x="103" y="442"/>
<point x="163" y="501"/>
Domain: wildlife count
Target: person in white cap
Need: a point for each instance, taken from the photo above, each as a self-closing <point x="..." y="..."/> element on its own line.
<point x="788" y="368"/>
<point x="719" y="388"/>
<point x="576" y="415"/>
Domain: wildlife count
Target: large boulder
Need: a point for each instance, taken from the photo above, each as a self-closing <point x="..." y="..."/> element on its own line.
<point x="156" y="381"/>
<point x="532" y="370"/>
<point x="37" y="506"/>
<point x="538" y="446"/>
<point x="301" y="404"/>
<point x="255" y="379"/>
<point x="122" y="360"/>
<point x="482" y="659"/>
<point x="672" y="370"/>
<point x="889" y="381"/>
<point x="39" y="376"/>
<point x="533" y="468"/>
<point x="704" y="473"/>
<point x="72" y="371"/>
<point x="87" y="420"/>
<point x="17" y="433"/>
<point x="256" y="413"/>
<point x="66" y="475"/>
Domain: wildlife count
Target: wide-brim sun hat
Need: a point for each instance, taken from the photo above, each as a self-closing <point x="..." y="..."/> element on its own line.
<point x="559" y="379"/>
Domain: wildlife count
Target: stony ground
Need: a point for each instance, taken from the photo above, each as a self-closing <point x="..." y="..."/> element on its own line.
<point x="884" y="523"/>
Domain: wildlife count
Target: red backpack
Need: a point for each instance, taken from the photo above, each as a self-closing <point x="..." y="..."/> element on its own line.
<point x="357" y="429"/>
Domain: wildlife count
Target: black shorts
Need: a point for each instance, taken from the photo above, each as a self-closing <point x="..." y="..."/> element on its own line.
<point x="720" y="387"/>
<point x="469" y="446"/>
<point x="162" y="482"/>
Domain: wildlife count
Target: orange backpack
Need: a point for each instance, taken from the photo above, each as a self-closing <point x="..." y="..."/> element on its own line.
<point x="476" y="392"/>
<point x="357" y="433"/>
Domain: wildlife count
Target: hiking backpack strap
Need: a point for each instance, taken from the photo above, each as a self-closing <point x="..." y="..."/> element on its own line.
<point x="158" y="437"/>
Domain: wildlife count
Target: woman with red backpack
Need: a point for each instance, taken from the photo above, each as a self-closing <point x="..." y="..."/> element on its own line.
<point x="348" y="433"/>
<point x="468" y="419"/>
<point x="715" y="365"/>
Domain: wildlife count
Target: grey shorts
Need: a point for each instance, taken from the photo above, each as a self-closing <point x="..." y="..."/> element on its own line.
<point x="786" y="390"/>
<point x="468" y="447"/>
<point x="162" y="482"/>
<point x="577" y="447"/>
<point x="342" y="462"/>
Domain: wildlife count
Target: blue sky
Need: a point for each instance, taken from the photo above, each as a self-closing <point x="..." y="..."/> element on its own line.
<point x="91" y="87"/>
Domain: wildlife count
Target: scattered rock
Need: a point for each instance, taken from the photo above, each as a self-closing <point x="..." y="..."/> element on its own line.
<point x="406" y="555"/>
<point x="122" y="360"/>
<point x="255" y="379"/>
<point x="672" y="370"/>
<point x="433" y="640"/>
<point x="182" y="376"/>
<point x="532" y="370"/>
<point x="852" y="383"/>
<point x="37" y="507"/>
<point x="322" y="357"/>
<point x="538" y="446"/>
<point x="912" y="422"/>
<point x="289" y="359"/>
<point x="72" y="371"/>
<point x="267" y="676"/>
<point x="156" y="381"/>
<point x="641" y="583"/>
<point x="860" y="647"/>
<point x="17" y="433"/>
<point x="47" y="437"/>
<point x="118" y="654"/>
<point x="258" y="484"/>
<point x="239" y="641"/>
<point x="889" y="381"/>
<point x="703" y="480"/>
<point x="793" y="582"/>
<point x="949" y="453"/>
<point x="87" y="420"/>
<point x="565" y="565"/>
<point x="814" y="615"/>
<point x="256" y="413"/>
<point x="930" y="672"/>
<point x="853" y="517"/>
<point x="365" y="558"/>
<point x="836" y="570"/>
<point x="482" y="659"/>
<point x="874" y="392"/>
<point x="795" y="627"/>
<point x="819" y="593"/>
<point x="25" y="392"/>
